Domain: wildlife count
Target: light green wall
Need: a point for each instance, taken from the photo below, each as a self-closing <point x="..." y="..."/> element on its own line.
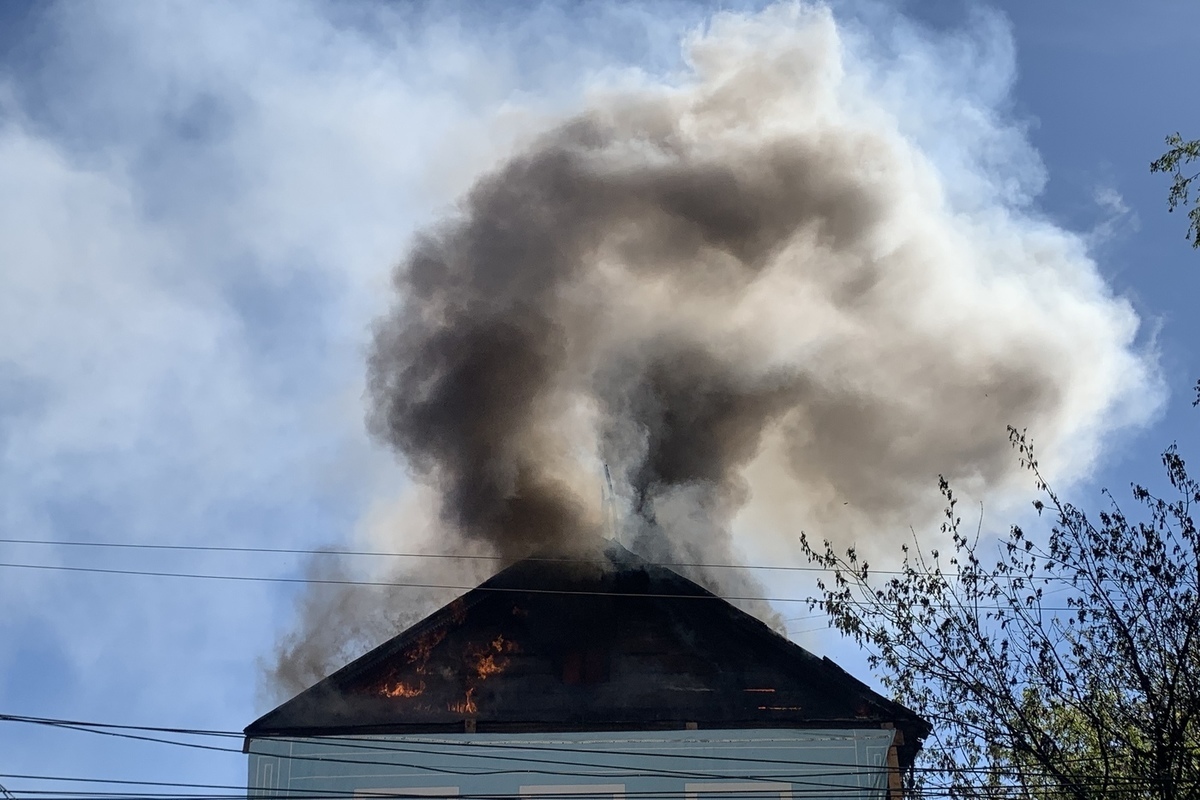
<point x="694" y="765"/>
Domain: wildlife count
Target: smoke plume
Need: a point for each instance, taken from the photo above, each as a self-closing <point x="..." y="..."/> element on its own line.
<point x="755" y="295"/>
<point x="677" y="273"/>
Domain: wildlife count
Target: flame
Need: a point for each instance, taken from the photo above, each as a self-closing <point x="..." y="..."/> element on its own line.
<point x="418" y="656"/>
<point x="490" y="660"/>
<point x="467" y="706"/>
<point x="486" y="667"/>
<point x="402" y="689"/>
<point x="482" y="662"/>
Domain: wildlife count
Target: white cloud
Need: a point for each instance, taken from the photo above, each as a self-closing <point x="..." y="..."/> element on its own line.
<point x="1116" y="218"/>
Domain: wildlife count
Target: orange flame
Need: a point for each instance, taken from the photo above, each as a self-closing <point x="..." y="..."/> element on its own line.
<point x="402" y="689"/>
<point x="486" y="667"/>
<point x="418" y="656"/>
<point x="490" y="659"/>
<point x="467" y="706"/>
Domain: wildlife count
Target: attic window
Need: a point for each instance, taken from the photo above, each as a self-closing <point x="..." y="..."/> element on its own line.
<point x="585" y="666"/>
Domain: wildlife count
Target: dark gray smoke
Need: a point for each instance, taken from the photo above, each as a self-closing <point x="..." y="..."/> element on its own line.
<point x="755" y="299"/>
<point x="504" y="323"/>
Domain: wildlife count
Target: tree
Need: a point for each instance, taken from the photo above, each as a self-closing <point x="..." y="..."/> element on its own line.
<point x="1067" y="669"/>
<point x="1179" y="154"/>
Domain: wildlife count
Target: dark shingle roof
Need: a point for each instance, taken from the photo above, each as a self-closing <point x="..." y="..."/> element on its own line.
<point x="618" y="644"/>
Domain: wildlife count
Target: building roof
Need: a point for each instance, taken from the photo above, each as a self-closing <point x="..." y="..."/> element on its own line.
<point x="612" y="643"/>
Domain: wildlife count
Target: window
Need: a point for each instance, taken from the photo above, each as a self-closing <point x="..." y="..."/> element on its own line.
<point x="743" y="791"/>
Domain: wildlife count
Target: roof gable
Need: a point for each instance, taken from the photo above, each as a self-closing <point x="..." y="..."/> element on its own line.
<point x="566" y="645"/>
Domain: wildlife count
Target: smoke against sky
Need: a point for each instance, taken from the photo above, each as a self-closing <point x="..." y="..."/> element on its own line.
<point x="682" y="271"/>
<point x="784" y="289"/>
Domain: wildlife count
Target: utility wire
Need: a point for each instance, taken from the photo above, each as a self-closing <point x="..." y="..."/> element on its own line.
<point x="455" y="587"/>
<point x="398" y="584"/>
<point x="383" y="554"/>
<point x="448" y="556"/>
<point x="328" y="794"/>
<point x="325" y="794"/>
<point x="379" y="746"/>
<point x="985" y="790"/>
<point x="411" y="746"/>
<point x="725" y="793"/>
<point x="741" y="793"/>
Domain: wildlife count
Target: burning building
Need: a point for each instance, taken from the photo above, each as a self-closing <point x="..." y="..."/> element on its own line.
<point x="605" y="676"/>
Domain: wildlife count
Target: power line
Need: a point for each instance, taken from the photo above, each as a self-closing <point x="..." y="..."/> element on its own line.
<point x="378" y="745"/>
<point x="808" y="786"/>
<point x="397" y="584"/>
<point x="801" y="784"/>
<point x="742" y="793"/>
<point x="454" y="587"/>
<point x="444" y="556"/>
<point x="412" y="746"/>
<point x="987" y="790"/>
<point x="327" y="794"/>
<point x="608" y="771"/>
<point x="385" y="554"/>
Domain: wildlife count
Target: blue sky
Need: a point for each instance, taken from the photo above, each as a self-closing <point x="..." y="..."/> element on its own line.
<point x="199" y="209"/>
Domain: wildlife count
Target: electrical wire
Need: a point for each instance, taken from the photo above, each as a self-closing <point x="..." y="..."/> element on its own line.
<point x="741" y="793"/>
<point x="455" y="587"/>
<point x="826" y="789"/>
<point x="379" y="745"/>
<point x="390" y="746"/>
<point x="384" y="554"/>
<point x="395" y="584"/>
<point x="449" y="556"/>
<point x="807" y="787"/>
<point x="328" y="794"/>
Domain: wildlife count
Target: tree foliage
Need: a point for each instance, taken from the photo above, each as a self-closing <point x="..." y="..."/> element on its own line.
<point x="1060" y="666"/>
<point x="1174" y="162"/>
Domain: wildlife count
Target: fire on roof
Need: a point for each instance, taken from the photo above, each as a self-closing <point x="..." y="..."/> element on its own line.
<point x="613" y="643"/>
